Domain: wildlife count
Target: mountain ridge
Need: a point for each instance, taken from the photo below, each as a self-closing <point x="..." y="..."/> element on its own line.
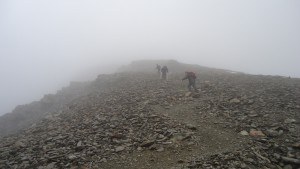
<point x="134" y="119"/>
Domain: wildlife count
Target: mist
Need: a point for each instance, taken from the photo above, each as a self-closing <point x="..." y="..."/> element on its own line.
<point x="46" y="44"/>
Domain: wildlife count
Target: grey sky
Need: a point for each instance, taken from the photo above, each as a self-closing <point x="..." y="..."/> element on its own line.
<point x="46" y="43"/>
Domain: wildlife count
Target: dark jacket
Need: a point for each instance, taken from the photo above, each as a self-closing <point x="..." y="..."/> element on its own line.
<point x="164" y="69"/>
<point x="190" y="76"/>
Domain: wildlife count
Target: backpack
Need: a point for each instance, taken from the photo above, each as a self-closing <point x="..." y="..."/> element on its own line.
<point x="191" y="74"/>
<point x="164" y="69"/>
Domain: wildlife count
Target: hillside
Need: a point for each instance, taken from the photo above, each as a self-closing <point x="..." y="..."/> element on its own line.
<point x="133" y="119"/>
<point x="24" y="116"/>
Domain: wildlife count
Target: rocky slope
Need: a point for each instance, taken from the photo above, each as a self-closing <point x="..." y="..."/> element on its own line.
<point x="24" y="116"/>
<point x="136" y="120"/>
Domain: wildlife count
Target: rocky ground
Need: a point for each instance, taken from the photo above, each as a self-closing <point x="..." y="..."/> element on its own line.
<point x="136" y="120"/>
<point x="24" y="116"/>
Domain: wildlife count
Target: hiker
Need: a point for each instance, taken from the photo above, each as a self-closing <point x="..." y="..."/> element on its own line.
<point x="191" y="76"/>
<point x="164" y="71"/>
<point x="158" y="67"/>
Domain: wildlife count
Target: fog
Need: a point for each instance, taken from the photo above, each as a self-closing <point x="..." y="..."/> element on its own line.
<point x="44" y="44"/>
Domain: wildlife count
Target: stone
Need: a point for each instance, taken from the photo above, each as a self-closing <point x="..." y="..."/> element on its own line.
<point x="160" y="149"/>
<point x="180" y="161"/>
<point x="250" y="160"/>
<point x="296" y="145"/>
<point x="256" y="133"/>
<point x="20" y="144"/>
<point x="79" y="144"/>
<point x="160" y="136"/>
<point x="196" y="95"/>
<point x="191" y="127"/>
<point x="119" y="148"/>
<point x="181" y="137"/>
<point x="103" y="160"/>
<point x="272" y="133"/>
<point x="244" y="133"/>
<point x="139" y="149"/>
<point x="188" y="94"/>
<point x="234" y="100"/>
<point x="147" y="143"/>
<point x="72" y="157"/>
<point x="288" y="121"/>
<point x="277" y="156"/>
<point x="291" y="160"/>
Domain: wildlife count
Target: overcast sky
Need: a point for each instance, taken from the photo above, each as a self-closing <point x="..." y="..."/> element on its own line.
<point x="46" y="43"/>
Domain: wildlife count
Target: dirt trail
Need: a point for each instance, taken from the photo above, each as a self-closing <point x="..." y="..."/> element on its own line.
<point x="209" y="138"/>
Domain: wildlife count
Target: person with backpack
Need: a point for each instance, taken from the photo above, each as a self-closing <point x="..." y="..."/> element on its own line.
<point x="164" y="71"/>
<point x="191" y="76"/>
<point x="158" y="67"/>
